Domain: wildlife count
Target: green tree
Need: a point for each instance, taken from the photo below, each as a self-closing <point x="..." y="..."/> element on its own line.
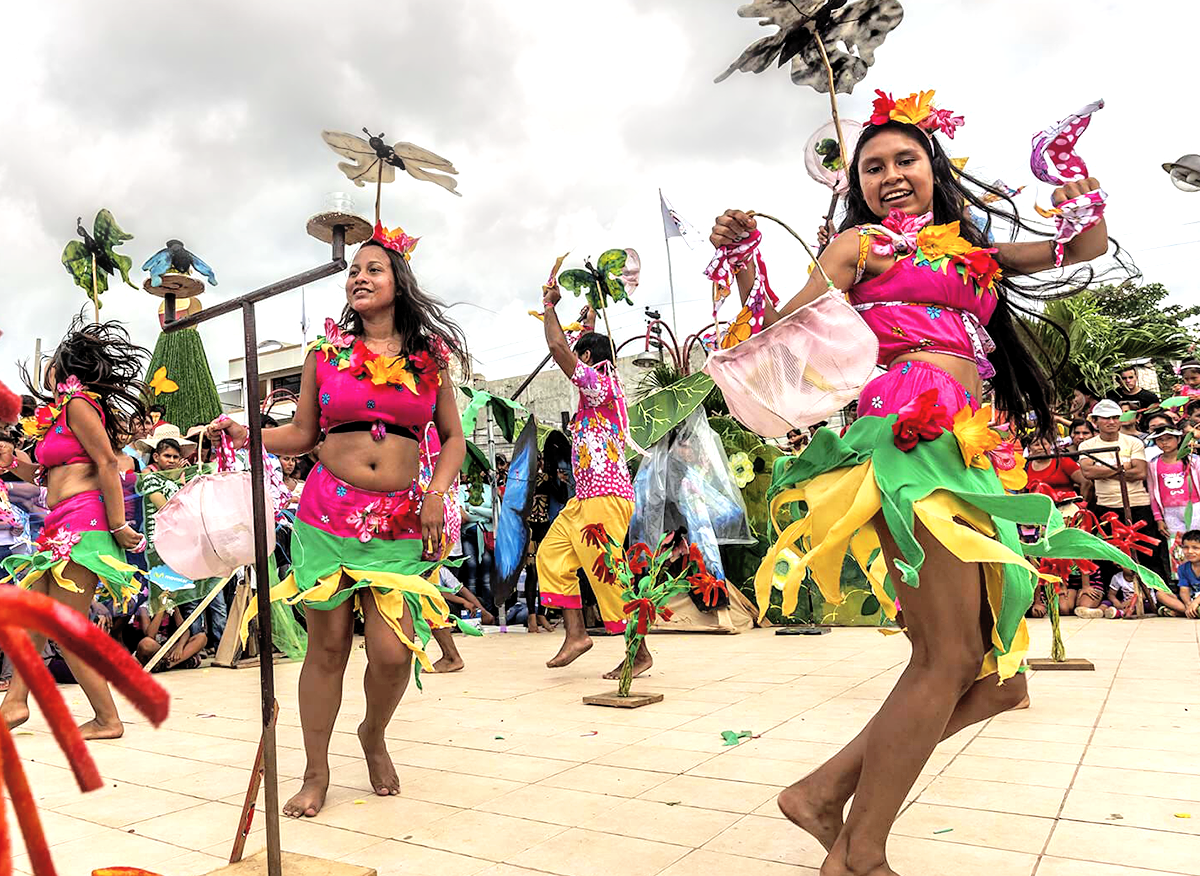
<point x="196" y="401"/>
<point x="1146" y="308"/>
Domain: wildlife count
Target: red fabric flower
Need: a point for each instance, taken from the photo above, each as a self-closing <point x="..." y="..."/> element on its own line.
<point x="979" y="265"/>
<point x="696" y="558"/>
<point x="638" y="557"/>
<point x="646" y="612"/>
<point x="708" y="588"/>
<point x="603" y="573"/>
<point x="594" y="535"/>
<point x="881" y="109"/>
<point x="920" y="418"/>
<point x="1128" y="539"/>
<point x="359" y="356"/>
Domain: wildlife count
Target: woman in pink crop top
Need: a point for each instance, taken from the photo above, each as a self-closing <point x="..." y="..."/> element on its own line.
<point x="367" y="536"/>
<point x="91" y="389"/>
<point x="915" y="489"/>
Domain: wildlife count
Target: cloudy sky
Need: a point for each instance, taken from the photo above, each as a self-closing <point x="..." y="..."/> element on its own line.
<point x="563" y="117"/>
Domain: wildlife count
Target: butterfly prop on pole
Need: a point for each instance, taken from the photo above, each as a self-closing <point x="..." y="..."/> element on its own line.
<point x="831" y="44"/>
<point x="372" y="160"/>
<point x="613" y="278"/>
<point x="92" y="260"/>
<point x="1057" y="143"/>
<point x="175" y="263"/>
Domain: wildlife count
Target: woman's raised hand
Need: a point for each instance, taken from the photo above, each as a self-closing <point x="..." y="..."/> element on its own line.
<point x="1070" y="190"/>
<point x="731" y="227"/>
<point x="238" y="433"/>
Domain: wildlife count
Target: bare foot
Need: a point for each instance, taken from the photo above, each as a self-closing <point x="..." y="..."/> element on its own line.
<point x="307" y="802"/>
<point x="1024" y="704"/>
<point x="641" y="663"/>
<point x="382" y="772"/>
<point x="544" y="623"/>
<point x="448" y="664"/>
<point x="15" y="714"/>
<point x="571" y="650"/>
<point x="811" y="812"/>
<point x="840" y="868"/>
<point x="94" y="729"/>
<point x="532" y="625"/>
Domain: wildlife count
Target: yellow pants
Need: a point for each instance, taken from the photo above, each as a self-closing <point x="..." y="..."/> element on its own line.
<point x="562" y="553"/>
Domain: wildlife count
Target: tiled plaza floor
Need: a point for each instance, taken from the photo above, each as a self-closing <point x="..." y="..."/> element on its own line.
<point x="506" y="773"/>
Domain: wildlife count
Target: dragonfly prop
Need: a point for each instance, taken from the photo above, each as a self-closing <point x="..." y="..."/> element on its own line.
<point x="92" y="260"/>
<point x="373" y="160"/>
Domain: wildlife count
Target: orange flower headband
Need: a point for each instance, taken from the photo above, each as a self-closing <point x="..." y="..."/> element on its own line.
<point x="395" y="240"/>
<point x="916" y="109"/>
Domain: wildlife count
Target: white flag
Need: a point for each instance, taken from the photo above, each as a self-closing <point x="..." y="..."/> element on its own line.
<point x="673" y="224"/>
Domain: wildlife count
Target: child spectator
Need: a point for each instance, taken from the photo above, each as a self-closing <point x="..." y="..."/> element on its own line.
<point x="1189" y="573"/>
<point x="1189" y="372"/>
<point x="157" y="630"/>
<point x="1174" y="485"/>
<point x="1059" y="472"/>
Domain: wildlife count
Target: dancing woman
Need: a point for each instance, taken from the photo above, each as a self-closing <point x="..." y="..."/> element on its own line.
<point x="920" y="475"/>
<point x="91" y="389"/>
<point x="366" y="535"/>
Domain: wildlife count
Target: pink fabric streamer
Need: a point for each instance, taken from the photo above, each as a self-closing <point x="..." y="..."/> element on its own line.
<point x="1058" y="143"/>
<point x="723" y="270"/>
<point x="1075" y="217"/>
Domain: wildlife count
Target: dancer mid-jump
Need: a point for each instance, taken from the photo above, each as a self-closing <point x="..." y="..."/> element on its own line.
<point x="366" y="535"/>
<point x="920" y="474"/>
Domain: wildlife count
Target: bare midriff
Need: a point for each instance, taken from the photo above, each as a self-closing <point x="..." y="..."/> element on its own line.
<point x="379" y="466"/>
<point x="965" y="371"/>
<point x="66" y="481"/>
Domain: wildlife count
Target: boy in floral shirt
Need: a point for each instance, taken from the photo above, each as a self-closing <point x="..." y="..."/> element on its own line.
<point x="603" y="490"/>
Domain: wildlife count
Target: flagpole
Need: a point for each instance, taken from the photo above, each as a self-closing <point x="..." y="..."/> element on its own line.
<point x="670" y="270"/>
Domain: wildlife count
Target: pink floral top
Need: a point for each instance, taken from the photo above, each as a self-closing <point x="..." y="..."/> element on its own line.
<point x="598" y="445"/>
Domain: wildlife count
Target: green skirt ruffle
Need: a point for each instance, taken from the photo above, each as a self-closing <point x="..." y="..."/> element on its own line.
<point x="840" y="488"/>
<point x="97" y="551"/>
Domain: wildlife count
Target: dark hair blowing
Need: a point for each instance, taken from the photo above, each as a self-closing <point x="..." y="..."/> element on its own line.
<point x="600" y="346"/>
<point x="418" y="315"/>
<point x="1022" y="385"/>
<point x="103" y="358"/>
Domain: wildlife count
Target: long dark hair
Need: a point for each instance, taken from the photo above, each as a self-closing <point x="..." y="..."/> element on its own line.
<point x="103" y="358"/>
<point x="1022" y="385"/>
<point x="419" y="316"/>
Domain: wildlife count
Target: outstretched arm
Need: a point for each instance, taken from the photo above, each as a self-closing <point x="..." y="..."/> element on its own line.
<point x="1033" y="256"/>
<point x="297" y="437"/>
<point x="560" y="349"/>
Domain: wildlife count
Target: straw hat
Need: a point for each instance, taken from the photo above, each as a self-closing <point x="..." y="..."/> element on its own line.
<point x="165" y="430"/>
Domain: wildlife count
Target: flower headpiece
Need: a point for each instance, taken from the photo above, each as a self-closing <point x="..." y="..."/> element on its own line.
<point x="395" y="240"/>
<point x="916" y="109"/>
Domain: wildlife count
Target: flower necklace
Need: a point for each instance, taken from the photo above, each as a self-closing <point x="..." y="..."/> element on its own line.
<point x="417" y="372"/>
<point x="939" y="246"/>
<point x="45" y="416"/>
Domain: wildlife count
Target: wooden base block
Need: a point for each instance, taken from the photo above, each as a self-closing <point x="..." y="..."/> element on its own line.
<point x="357" y="228"/>
<point x="1071" y="664"/>
<point x="633" y="701"/>
<point x="293" y="865"/>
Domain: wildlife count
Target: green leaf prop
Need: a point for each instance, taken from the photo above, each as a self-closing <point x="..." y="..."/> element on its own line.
<point x="93" y="259"/>
<point x="1175" y="401"/>
<point x="505" y="410"/>
<point x="661" y="411"/>
<point x="613" y="278"/>
<point x="475" y="458"/>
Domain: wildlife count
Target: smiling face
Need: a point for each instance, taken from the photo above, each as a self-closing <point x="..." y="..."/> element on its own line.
<point x="895" y="174"/>
<point x="370" y="285"/>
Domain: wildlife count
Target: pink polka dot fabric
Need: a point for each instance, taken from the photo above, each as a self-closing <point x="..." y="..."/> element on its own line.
<point x="1057" y="143"/>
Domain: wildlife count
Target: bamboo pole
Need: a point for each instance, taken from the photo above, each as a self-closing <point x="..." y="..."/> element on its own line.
<point x="95" y="291"/>
<point x="837" y="119"/>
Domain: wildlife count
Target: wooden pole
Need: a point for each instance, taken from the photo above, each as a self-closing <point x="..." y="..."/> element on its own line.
<point x="95" y="292"/>
<point x="837" y="119"/>
<point x="378" y="192"/>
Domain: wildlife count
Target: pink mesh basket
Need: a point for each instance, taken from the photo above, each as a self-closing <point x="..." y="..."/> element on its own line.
<point x="798" y="371"/>
<point x="206" y="530"/>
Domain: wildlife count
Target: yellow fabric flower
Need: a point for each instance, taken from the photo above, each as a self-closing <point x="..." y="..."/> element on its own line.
<point x="911" y="111"/>
<point x="975" y="436"/>
<point x="1014" y="479"/>
<point x="936" y="241"/>
<point x="383" y="371"/>
<point x="739" y="330"/>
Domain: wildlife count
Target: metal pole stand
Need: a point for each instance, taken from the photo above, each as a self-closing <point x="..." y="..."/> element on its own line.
<point x="272" y="858"/>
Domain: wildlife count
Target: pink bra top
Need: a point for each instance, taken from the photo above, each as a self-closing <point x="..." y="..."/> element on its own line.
<point x="916" y="307"/>
<point x="359" y="390"/>
<point x="59" y="446"/>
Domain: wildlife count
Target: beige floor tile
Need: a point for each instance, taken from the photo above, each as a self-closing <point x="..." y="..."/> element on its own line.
<point x="769" y="839"/>
<point x="484" y="835"/>
<point x="577" y="750"/>
<point x="494" y="765"/>
<point x="507" y="870"/>
<point x="654" y="757"/>
<point x="975" y="827"/>
<point x="195" y="828"/>
<point x="689" y="740"/>
<point x="995" y="796"/>
<point x="1038" y="732"/>
<point x="1162" y="760"/>
<point x="121" y="804"/>
<point x="457" y="789"/>
<point x="719" y="794"/>
<point x="1025" y="749"/>
<point x="392" y="858"/>
<point x="617" y="781"/>
<point x="58" y="829"/>
<point x="928" y="857"/>
<point x="308" y="837"/>
<point x="1125" y="846"/>
<point x="578" y="852"/>
<point x="759" y="770"/>
<point x="111" y="848"/>
<point x="1019" y="772"/>
<point x="1066" y="867"/>
<point x="383" y="817"/>
<point x="563" y="806"/>
<point x="703" y="862"/>
<point x="679" y="825"/>
<point x="1152" y="813"/>
<point x="1139" y="783"/>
